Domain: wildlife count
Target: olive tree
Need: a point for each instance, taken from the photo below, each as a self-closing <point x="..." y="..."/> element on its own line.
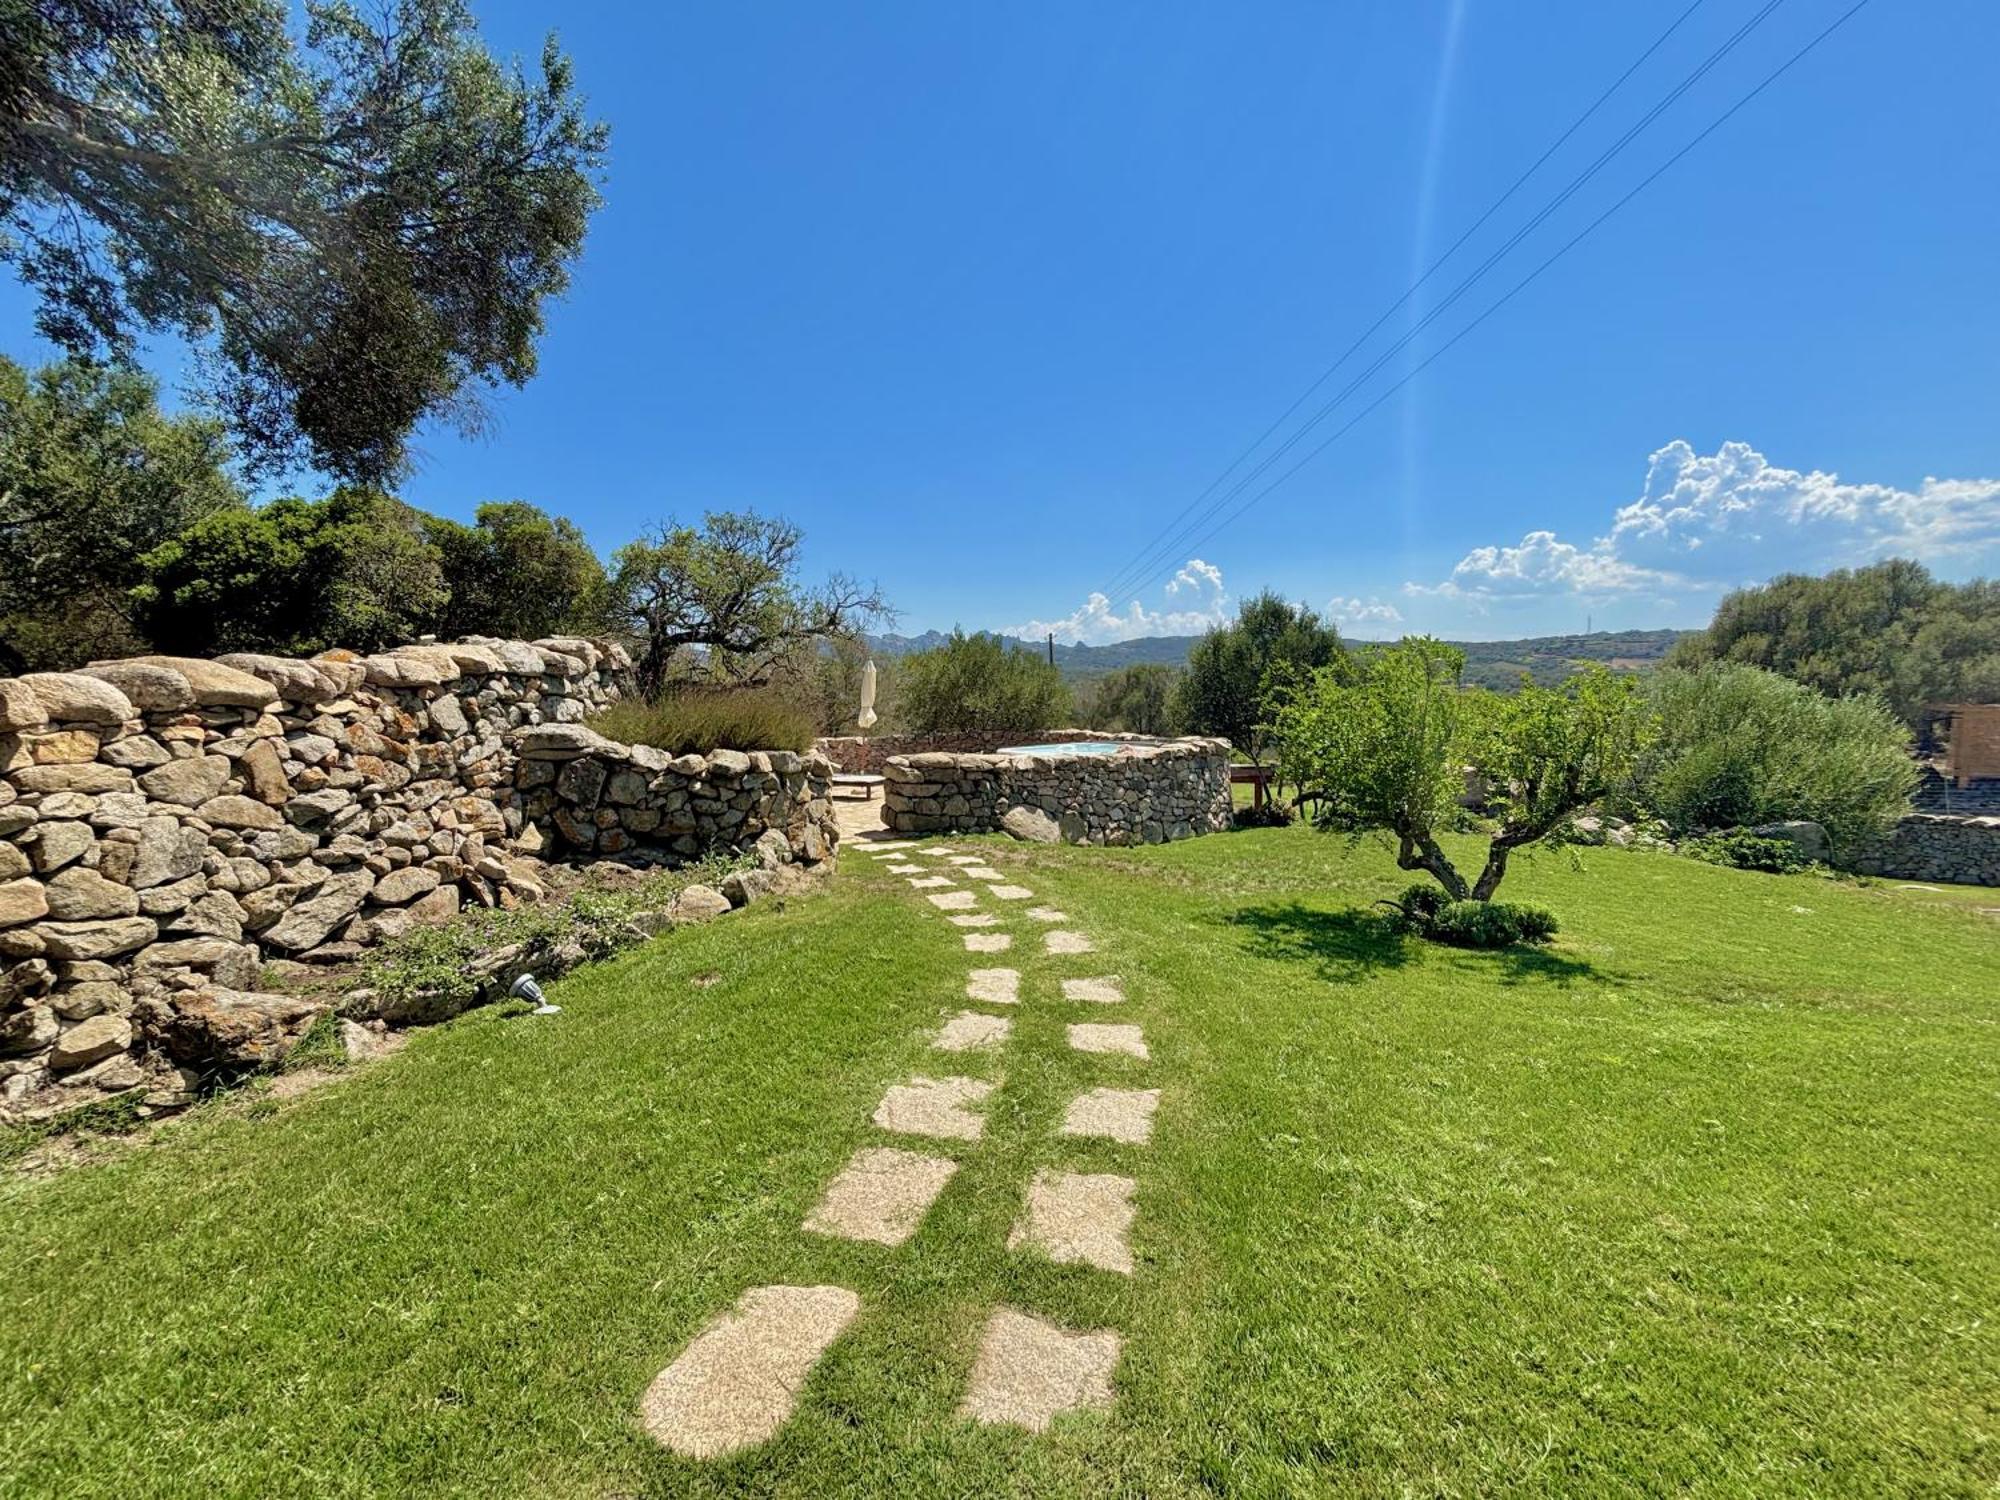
<point x="1384" y="743"/>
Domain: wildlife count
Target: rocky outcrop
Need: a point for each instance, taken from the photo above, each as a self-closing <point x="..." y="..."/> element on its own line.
<point x="1149" y="792"/>
<point x="168" y="826"/>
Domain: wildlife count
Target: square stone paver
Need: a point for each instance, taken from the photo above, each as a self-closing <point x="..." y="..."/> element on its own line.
<point x="1113" y="1115"/>
<point x="968" y="859"/>
<point x="934" y="1106"/>
<point x="908" y="869"/>
<point x="976" y="919"/>
<point x="988" y="942"/>
<point x="1030" y="1371"/>
<point x="994" y="986"/>
<point x="970" y="1029"/>
<point x="1078" y="1218"/>
<point x="1086" y="1036"/>
<point x="1059" y="941"/>
<point x="930" y="882"/>
<point x="737" y="1381"/>
<point x="881" y="1195"/>
<point x="981" y="872"/>
<point x="1011" y="892"/>
<point x="1107" y="989"/>
<point x="1046" y="914"/>
<point x="952" y="900"/>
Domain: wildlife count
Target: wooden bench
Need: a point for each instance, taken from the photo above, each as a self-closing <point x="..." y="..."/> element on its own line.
<point x="1258" y="777"/>
<point x="861" y="779"/>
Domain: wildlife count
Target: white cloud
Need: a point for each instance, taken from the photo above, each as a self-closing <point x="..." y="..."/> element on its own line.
<point x="1366" y="618"/>
<point x="1097" y="623"/>
<point x="1712" y="522"/>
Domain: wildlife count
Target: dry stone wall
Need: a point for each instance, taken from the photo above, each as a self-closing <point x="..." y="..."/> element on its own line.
<point x="1926" y="846"/>
<point x="170" y="829"/>
<point x="1147" y="793"/>
<point x="867" y="754"/>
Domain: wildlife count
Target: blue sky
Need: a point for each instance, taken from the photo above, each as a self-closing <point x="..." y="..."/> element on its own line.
<point x="982" y="296"/>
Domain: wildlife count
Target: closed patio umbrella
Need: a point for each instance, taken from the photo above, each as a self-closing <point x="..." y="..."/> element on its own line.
<point x="867" y="716"/>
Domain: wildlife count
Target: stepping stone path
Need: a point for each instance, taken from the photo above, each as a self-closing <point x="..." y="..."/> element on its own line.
<point x="736" y="1383"/>
<point x="1078" y="1217"/>
<point x="1029" y="1371"/>
<point x="881" y="1195"/>
<point x="994" y="986"/>
<point x="1130" y="1040"/>
<point x="934" y="1106"/>
<point x="738" y="1380"/>
<point x="1108" y="990"/>
<point x="1113" y="1115"/>
<point x="973" y="1028"/>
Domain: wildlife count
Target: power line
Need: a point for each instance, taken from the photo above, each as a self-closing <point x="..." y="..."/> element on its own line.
<point x="1172" y="540"/>
<point x="1526" y="281"/>
<point x="1145" y="556"/>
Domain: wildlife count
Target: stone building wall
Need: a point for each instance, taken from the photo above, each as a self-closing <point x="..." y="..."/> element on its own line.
<point x="1151" y="792"/>
<point x="866" y="754"/>
<point x="1926" y="846"/>
<point x="168" y="827"/>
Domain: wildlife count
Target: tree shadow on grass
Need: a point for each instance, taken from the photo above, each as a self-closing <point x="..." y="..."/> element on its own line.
<point x="1346" y="945"/>
<point x="1354" y="942"/>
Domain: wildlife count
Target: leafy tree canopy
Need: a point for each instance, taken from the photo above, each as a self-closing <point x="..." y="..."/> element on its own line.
<point x="359" y="226"/>
<point x="1890" y="629"/>
<point x="975" y="682"/>
<point x="1385" y="743"/>
<point x="722" y="602"/>
<point x="1234" y="670"/>
<point x="92" y="475"/>
<point x="1136" y="699"/>
<point x="516" y="572"/>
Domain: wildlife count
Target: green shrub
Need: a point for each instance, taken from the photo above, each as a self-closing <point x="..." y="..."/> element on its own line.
<point x="697" y="720"/>
<point x="975" y="682"/>
<point x="1489" y="924"/>
<point x="1745" y="851"/>
<point x="1419" y="903"/>
<point x="1273" y="814"/>
<point x="1739" y="745"/>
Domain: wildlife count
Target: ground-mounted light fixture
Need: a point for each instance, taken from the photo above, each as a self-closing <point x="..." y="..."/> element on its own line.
<point x="525" y="988"/>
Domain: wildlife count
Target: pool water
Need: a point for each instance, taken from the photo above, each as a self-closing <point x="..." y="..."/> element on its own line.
<point x="1080" y="747"/>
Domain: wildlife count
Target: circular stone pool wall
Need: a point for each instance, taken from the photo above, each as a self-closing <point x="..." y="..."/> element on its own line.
<point x="1150" y="791"/>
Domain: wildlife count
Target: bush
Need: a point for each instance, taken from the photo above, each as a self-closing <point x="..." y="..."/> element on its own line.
<point x="1489" y="924"/>
<point x="1273" y="814"/>
<point x="1427" y="912"/>
<point x="1739" y="745"/>
<point x="1745" y="851"/>
<point x="695" y="721"/>
<point x="975" y="682"/>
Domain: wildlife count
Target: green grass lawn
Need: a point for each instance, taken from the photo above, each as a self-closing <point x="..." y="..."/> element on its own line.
<point x="1705" y="1200"/>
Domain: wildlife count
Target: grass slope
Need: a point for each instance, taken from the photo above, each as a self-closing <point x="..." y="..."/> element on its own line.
<point x="1700" y="1202"/>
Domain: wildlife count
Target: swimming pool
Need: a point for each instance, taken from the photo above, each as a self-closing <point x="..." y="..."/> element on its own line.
<point x="1078" y="747"/>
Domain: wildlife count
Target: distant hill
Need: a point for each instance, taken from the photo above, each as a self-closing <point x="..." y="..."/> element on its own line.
<point x="1495" y="664"/>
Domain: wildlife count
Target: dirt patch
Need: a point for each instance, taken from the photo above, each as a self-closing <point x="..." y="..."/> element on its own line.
<point x="1130" y="1040"/>
<point x="994" y="986"/>
<point x="1028" y="1371"/>
<point x="971" y="1028"/>
<point x="1113" y="1115"/>
<point x="1078" y="1218"/>
<point x="1107" y="989"/>
<point x="935" y="1107"/>
<point x="881" y="1196"/>
<point x="988" y="942"/>
<point x="736" y="1384"/>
